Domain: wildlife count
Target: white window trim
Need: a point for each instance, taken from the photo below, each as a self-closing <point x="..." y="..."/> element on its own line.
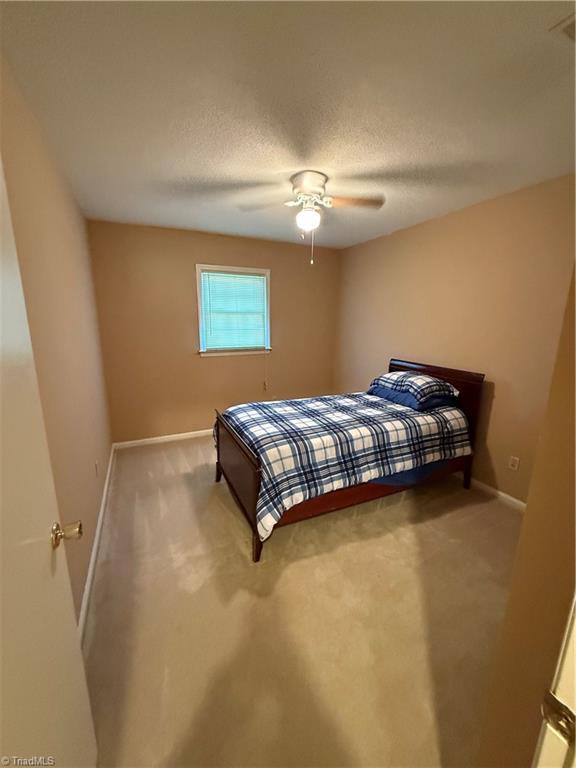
<point x="232" y="352"/>
<point x="230" y="270"/>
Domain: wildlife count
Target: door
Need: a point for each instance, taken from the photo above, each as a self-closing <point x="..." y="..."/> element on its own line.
<point x="556" y="743"/>
<point x="45" y="711"/>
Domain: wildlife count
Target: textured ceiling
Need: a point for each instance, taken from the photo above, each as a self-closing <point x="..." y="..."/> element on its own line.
<point x="178" y="114"/>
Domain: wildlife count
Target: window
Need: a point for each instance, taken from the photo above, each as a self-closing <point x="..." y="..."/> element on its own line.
<point x="233" y="308"/>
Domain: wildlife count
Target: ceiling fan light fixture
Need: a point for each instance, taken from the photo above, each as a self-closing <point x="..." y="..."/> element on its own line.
<point x="308" y="219"/>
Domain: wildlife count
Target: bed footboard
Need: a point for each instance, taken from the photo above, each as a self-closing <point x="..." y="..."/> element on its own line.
<point x="241" y="470"/>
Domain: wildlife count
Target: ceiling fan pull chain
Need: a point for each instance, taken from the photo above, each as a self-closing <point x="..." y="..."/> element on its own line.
<point x="312" y="248"/>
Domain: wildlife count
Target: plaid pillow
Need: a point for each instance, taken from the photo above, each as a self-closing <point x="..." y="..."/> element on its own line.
<point x="418" y="391"/>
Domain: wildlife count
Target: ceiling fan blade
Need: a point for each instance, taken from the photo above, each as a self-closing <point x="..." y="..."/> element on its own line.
<point x="206" y="187"/>
<point x="259" y="206"/>
<point x="358" y="202"/>
<point x="422" y="174"/>
<point x="291" y="203"/>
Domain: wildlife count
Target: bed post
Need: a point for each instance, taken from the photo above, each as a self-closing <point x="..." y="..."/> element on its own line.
<point x="256" y="548"/>
<point x="218" y="467"/>
<point x="468" y="470"/>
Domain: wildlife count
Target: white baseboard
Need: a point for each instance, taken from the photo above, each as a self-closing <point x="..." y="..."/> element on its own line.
<point x="95" y="547"/>
<point x="505" y="497"/>
<point x="163" y="438"/>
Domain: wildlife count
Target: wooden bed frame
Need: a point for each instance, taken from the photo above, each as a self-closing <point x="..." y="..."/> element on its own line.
<point x="241" y="467"/>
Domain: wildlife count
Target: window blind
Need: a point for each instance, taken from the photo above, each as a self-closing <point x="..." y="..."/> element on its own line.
<point x="233" y="311"/>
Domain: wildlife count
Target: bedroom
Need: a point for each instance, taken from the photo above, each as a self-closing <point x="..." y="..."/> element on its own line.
<point x="148" y="150"/>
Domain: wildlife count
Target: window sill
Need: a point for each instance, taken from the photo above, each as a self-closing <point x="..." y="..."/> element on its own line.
<point x="233" y="352"/>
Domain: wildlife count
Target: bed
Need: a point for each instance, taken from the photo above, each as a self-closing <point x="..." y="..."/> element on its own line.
<point x="245" y="444"/>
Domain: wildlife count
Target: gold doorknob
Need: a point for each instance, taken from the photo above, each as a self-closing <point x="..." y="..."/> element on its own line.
<point x="70" y="531"/>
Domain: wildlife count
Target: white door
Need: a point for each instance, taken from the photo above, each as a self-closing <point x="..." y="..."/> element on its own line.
<point x="556" y="743"/>
<point x="45" y="711"/>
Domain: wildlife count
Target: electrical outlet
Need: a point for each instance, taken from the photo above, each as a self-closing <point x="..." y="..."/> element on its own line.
<point x="513" y="463"/>
<point x="96" y="468"/>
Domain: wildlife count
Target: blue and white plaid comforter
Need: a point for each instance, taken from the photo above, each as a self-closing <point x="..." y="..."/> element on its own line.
<point x="312" y="446"/>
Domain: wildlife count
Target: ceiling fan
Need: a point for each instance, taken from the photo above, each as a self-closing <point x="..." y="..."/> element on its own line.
<point x="309" y="189"/>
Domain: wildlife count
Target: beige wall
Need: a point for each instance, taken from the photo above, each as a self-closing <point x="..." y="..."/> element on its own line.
<point x="55" y="266"/>
<point x="542" y="581"/>
<point x="482" y="289"/>
<point x="145" y="280"/>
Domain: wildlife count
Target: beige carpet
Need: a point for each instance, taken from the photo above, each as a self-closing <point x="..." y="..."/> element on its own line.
<point x="361" y="639"/>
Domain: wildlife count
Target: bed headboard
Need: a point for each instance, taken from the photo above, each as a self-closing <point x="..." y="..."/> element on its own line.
<point x="468" y="383"/>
